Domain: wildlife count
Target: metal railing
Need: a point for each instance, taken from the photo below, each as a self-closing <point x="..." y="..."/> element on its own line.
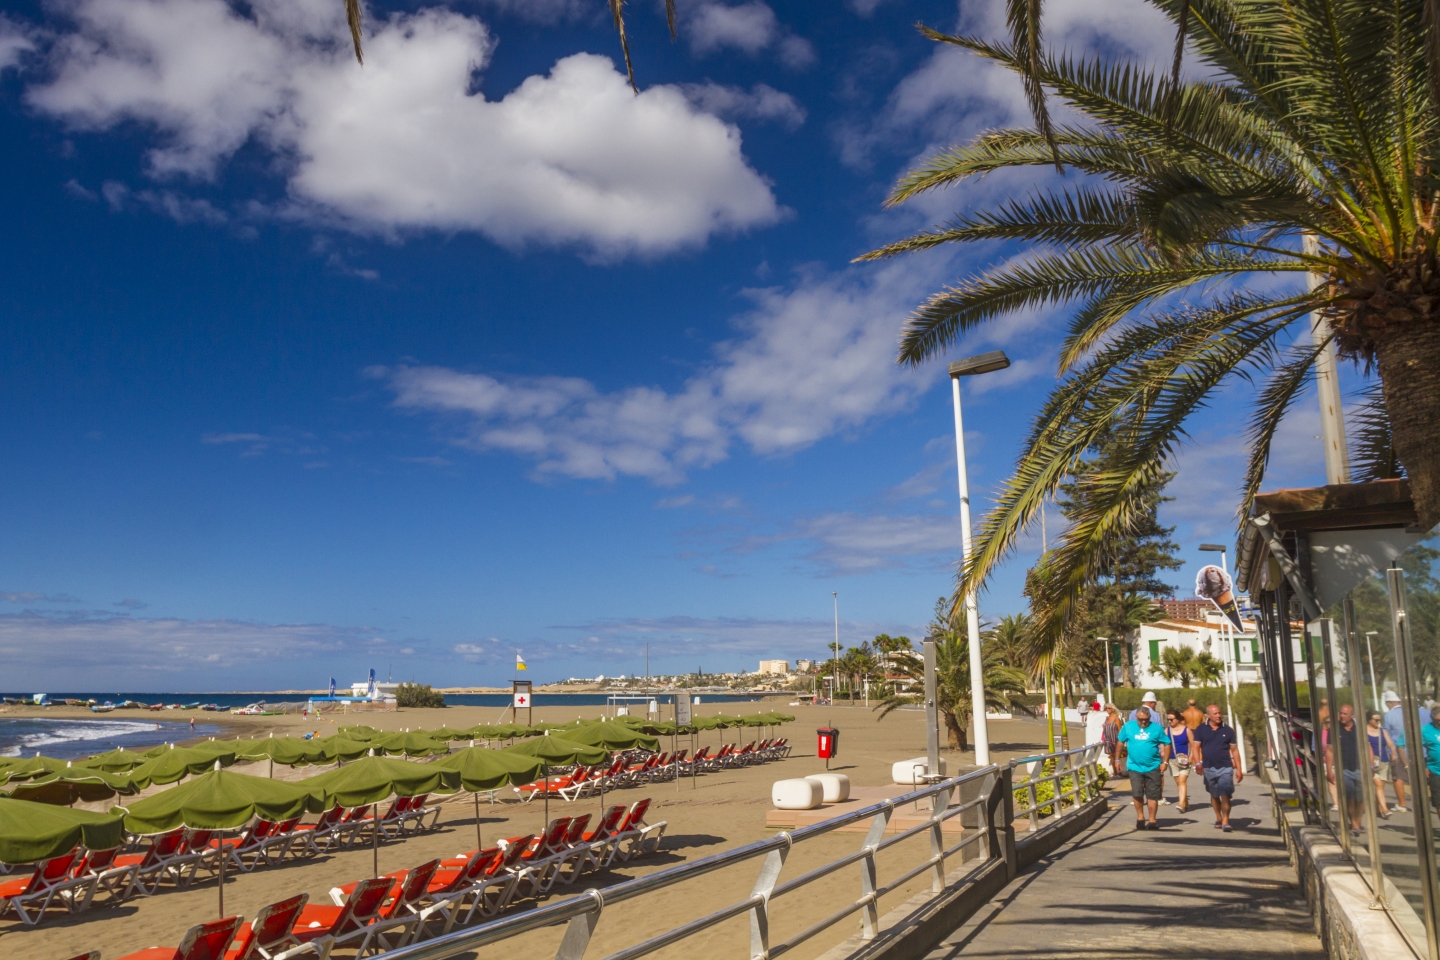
<point x="993" y="806"/>
<point x="1297" y="751"/>
<point x="1081" y="765"/>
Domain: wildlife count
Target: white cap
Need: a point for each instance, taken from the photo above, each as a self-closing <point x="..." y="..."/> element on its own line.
<point x="1391" y="697"/>
<point x="1149" y="697"/>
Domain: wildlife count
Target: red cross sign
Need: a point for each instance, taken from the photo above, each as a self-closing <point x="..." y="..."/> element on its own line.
<point x="522" y="700"/>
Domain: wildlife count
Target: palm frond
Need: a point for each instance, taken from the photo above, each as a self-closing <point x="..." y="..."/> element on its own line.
<point x="1372" y="454"/>
<point x="352" y="16"/>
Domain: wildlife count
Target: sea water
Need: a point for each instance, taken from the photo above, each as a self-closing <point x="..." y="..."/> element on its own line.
<point x="66" y="739"/>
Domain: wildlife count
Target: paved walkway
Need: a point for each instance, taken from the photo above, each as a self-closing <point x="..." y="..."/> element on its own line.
<point x="1184" y="891"/>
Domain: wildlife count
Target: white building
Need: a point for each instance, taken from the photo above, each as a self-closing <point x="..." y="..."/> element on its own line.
<point x="781" y="667"/>
<point x="1202" y="636"/>
<point x="804" y="666"/>
<point x="383" y="691"/>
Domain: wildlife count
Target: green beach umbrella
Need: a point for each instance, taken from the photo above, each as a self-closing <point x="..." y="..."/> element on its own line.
<point x="615" y="736"/>
<point x="155" y="751"/>
<point x="480" y="768"/>
<point x="64" y="787"/>
<point x="288" y="751"/>
<point x="115" y="761"/>
<point x="223" y="800"/>
<point x="708" y="723"/>
<point x="754" y="720"/>
<point x="38" y="831"/>
<point x="445" y="734"/>
<point x="332" y="749"/>
<point x="373" y="779"/>
<point x="177" y="764"/>
<point x="557" y="751"/>
<point x="413" y="744"/>
<point x="359" y="732"/>
<point x="28" y="768"/>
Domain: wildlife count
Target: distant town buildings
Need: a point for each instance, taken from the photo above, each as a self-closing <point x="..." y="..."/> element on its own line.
<point x="781" y="667"/>
<point x="804" y="666"/>
<point x="1205" y="634"/>
<point x="1195" y="609"/>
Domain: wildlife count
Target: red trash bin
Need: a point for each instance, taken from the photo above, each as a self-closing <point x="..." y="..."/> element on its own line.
<point x="828" y="744"/>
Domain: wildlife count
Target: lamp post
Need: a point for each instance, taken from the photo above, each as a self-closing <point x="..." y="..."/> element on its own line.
<point x="1229" y="637"/>
<point x="1109" y="672"/>
<point x="969" y="367"/>
<point x="835" y="661"/>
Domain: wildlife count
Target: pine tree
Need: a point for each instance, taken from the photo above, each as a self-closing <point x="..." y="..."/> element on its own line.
<point x="1130" y="573"/>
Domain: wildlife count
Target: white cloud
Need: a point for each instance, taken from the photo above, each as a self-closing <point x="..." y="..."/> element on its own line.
<point x="750" y="27"/>
<point x="955" y="95"/>
<point x="851" y="543"/>
<point x="762" y="102"/>
<point x="813" y="360"/>
<point x="115" y="650"/>
<point x="722" y="642"/>
<point x="406" y="143"/>
<point x="15" y="42"/>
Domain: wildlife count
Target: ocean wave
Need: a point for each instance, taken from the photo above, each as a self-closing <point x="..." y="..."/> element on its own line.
<point x="27" y="737"/>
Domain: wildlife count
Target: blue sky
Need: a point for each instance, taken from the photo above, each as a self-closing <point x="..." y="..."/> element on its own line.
<point x="313" y="368"/>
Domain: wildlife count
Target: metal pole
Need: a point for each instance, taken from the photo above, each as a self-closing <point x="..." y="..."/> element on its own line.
<point x="972" y="609"/>
<point x="1374" y="680"/>
<point x="1327" y="383"/>
<point x="932" y="711"/>
<point x="835" y="659"/>
<point x="1109" y="673"/>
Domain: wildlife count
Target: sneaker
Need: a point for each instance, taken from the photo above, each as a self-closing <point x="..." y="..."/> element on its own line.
<point x="1334" y="806"/>
<point x="1140" y="825"/>
<point x="1397" y="809"/>
<point x="1218" y="825"/>
<point x="1164" y="803"/>
<point x="1154" y="825"/>
<point x="1227" y="828"/>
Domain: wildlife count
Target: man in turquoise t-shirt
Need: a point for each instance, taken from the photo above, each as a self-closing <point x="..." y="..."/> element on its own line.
<point x="1430" y="743"/>
<point x="1145" y="746"/>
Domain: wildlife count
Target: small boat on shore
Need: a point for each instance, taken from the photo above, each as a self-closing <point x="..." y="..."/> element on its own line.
<point x="105" y="707"/>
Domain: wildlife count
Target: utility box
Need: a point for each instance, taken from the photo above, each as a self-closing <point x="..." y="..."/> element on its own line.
<point x="828" y="744"/>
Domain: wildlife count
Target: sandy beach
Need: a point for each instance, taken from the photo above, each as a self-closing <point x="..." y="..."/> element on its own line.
<point x="711" y="813"/>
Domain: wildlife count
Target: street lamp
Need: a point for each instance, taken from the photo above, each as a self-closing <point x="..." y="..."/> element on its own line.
<point x="969" y="367"/>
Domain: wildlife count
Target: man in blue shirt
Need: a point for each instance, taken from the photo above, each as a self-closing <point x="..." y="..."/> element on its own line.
<point x="1430" y="743"/>
<point x="1144" y="746"/>
<point x="1214" y="751"/>
<point x="1394" y="724"/>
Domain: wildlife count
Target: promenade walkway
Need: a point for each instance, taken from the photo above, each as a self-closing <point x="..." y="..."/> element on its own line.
<point x="1184" y="891"/>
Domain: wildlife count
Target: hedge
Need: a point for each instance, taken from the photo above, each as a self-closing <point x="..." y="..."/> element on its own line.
<point x="1246" y="703"/>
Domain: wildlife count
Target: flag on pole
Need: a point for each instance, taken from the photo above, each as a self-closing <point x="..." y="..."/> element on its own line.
<point x="332" y="686"/>
<point x="372" y="683"/>
<point x="519" y="661"/>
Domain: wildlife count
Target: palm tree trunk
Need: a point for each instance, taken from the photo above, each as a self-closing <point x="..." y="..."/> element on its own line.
<point x="1409" y="365"/>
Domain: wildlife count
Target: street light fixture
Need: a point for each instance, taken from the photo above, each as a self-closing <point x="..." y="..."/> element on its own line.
<point x="969" y="367"/>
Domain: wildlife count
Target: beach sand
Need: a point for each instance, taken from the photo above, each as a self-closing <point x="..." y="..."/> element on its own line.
<point x="714" y="812"/>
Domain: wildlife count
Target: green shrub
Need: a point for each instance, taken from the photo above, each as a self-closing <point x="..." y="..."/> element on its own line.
<point x="1045" y="792"/>
<point x="418" y="695"/>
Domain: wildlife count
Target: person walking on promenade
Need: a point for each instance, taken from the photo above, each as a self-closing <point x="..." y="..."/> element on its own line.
<point x="1395" y="726"/>
<point x="1193" y="715"/>
<point x="1145" y="746"/>
<point x="1110" y="737"/>
<point x="1180" y="758"/>
<point x="1147" y="701"/>
<point x="1430" y="744"/>
<point x="1348" y="784"/>
<point x="1382" y="756"/>
<point x="1214" y="752"/>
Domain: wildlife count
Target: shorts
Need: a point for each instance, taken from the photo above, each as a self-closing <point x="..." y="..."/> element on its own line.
<point x="1383" y="771"/>
<point x="1398" y="770"/>
<point x="1177" y="771"/>
<point x="1353" y="793"/>
<point x="1434" y="780"/>
<point x="1220" y="781"/>
<point x="1145" y="786"/>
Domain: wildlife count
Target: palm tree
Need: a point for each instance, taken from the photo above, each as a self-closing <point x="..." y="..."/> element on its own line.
<point x="1213" y="217"/>
<point x="617" y="11"/>
<point x="1003" y="681"/>
<point x="1208" y="669"/>
<point x="1177" y="663"/>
